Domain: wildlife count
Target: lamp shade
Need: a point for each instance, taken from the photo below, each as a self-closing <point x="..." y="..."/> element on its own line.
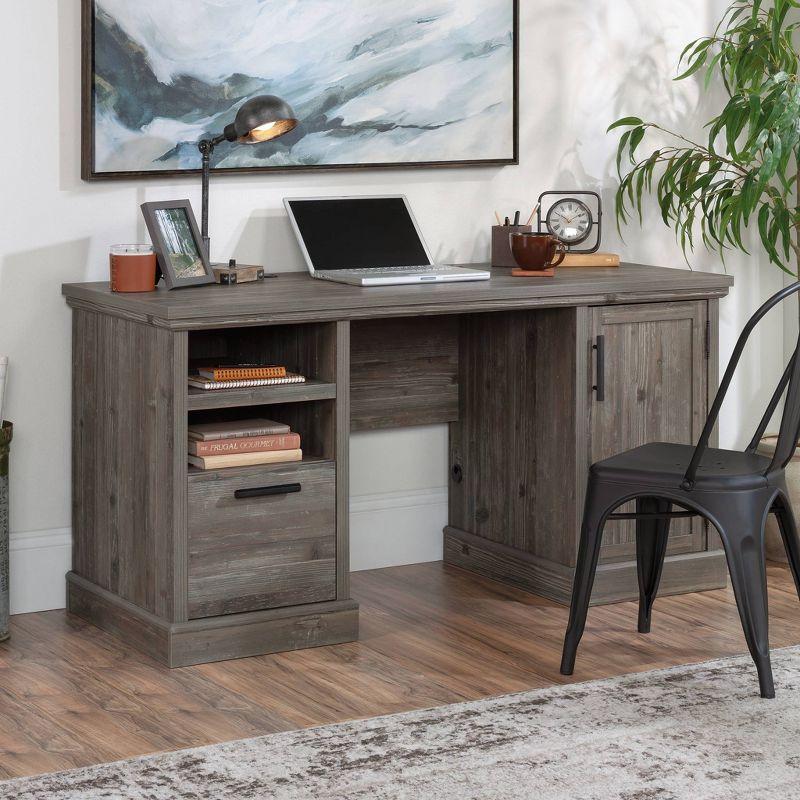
<point x="260" y="119"/>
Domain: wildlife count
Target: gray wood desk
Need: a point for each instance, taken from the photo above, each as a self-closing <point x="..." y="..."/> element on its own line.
<point x="164" y="554"/>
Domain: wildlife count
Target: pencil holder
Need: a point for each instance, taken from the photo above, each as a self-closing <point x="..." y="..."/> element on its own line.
<point x="501" y="247"/>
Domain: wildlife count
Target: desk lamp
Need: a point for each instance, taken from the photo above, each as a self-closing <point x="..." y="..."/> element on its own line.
<point x="260" y="119"/>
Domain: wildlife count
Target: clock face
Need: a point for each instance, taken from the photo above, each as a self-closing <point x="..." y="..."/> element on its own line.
<point x="570" y="220"/>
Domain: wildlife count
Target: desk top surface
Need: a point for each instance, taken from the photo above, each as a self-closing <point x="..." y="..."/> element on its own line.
<point x="295" y="297"/>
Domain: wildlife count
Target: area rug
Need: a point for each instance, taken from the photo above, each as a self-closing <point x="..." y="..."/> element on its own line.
<point x="691" y="733"/>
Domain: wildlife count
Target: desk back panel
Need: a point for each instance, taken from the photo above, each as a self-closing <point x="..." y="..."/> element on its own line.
<point x="403" y="372"/>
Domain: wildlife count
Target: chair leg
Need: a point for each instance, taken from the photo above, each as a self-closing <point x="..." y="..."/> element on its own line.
<point x="791" y="542"/>
<point x="651" y="545"/>
<point x="595" y="511"/>
<point x="743" y="539"/>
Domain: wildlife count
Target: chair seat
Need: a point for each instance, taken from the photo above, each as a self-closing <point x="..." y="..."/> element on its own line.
<point x="664" y="464"/>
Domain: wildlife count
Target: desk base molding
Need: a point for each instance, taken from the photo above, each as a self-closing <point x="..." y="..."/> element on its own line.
<point x="199" y="641"/>
<point x="615" y="582"/>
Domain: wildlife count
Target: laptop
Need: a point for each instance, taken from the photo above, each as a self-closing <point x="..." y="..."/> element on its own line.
<point x="367" y="241"/>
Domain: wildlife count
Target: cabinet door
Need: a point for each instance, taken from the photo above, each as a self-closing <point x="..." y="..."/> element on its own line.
<point x="656" y="390"/>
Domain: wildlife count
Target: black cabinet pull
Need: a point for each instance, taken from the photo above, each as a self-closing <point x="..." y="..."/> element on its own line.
<point x="267" y="491"/>
<point x="600" y="386"/>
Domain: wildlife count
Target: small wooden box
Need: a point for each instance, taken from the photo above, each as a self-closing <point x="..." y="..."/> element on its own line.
<point x="241" y="273"/>
<point x="501" y="247"/>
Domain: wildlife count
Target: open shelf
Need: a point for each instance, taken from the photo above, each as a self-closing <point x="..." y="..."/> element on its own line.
<point x="308" y="350"/>
<point x="314" y="421"/>
<point x="203" y="400"/>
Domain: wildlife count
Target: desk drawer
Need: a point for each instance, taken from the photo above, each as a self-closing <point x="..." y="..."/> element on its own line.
<point x="261" y="538"/>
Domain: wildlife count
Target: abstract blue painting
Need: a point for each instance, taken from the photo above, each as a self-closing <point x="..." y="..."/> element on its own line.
<point x="373" y="82"/>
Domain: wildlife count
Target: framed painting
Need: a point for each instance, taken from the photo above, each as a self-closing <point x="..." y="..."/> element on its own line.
<point x="395" y="83"/>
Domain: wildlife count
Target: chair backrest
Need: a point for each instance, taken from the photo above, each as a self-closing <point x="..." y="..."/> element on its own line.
<point x="789" y="385"/>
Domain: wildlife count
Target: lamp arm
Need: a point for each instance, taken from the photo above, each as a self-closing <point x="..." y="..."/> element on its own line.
<point x="206" y="148"/>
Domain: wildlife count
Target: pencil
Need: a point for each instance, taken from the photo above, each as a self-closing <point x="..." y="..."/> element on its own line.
<point x="533" y="214"/>
<point x="497" y="217"/>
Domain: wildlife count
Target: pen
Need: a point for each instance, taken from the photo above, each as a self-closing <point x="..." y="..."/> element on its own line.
<point x="516" y="218"/>
<point x="533" y="213"/>
<point x="497" y="217"/>
<point x="507" y="222"/>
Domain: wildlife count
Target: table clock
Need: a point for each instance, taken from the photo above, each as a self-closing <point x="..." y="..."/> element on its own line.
<point x="575" y="218"/>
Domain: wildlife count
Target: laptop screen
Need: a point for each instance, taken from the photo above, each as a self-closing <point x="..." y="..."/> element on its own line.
<point x="358" y="233"/>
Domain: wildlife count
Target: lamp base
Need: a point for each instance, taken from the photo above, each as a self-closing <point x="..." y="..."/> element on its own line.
<point x="241" y="273"/>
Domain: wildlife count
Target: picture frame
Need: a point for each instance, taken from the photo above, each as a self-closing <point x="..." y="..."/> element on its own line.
<point x="479" y="147"/>
<point x="177" y="243"/>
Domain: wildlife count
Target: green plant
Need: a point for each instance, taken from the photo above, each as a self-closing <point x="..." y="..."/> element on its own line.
<point x="749" y="169"/>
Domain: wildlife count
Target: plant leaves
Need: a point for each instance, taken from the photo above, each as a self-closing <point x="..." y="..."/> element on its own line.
<point x="624" y="122"/>
<point x="747" y="171"/>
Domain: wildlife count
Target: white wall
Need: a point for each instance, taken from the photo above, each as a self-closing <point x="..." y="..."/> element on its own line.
<point x="582" y="65"/>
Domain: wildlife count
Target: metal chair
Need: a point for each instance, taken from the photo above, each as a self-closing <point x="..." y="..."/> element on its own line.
<point x="734" y="491"/>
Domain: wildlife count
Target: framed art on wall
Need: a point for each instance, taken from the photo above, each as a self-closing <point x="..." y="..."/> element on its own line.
<point x="396" y="83"/>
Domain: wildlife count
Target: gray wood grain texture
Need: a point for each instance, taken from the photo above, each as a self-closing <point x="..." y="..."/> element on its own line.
<point x="112" y="613"/>
<point x="403" y="372"/>
<point x="199" y="399"/>
<point x="615" y="581"/>
<point x="342" y="455"/>
<point x="528" y="436"/>
<point x="515" y="442"/>
<point x="531" y="426"/>
<point x="215" y="639"/>
<point x="294" y="297"/>
<point x="260" y="632"/>
<point x="308" y="349"/>
<point x="263" y="552"/>
<point x="174" y="548"/>
<point x="127" y="494"/>
<point x="656" y="378"/>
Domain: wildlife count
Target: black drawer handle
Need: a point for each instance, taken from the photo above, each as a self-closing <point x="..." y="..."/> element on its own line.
<point x="267" y="491"/>
<point x="600" y="386"/>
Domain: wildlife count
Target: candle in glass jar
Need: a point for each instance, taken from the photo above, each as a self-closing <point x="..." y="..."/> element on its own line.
<point x="133" y="268"/>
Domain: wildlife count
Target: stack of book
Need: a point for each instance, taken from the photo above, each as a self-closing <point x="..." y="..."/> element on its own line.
<point x="242" y="376"/>
<point x="242" y="443"/>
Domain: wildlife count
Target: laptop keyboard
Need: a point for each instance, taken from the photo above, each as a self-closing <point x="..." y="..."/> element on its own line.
<point x="427" y="269"/>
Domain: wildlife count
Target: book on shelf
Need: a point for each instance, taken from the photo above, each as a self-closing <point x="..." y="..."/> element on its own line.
<point x="241" y="372"/>
<point x="234" y="429"/>
<point x="198" y="382"/>
<point x="245" y="444"/>
<point x="246" y="459"/>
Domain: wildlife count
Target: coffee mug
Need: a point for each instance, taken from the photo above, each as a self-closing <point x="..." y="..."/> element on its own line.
<point x="536" y="251"/>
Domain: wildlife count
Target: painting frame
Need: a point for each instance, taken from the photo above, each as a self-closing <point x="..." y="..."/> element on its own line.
<point x="88" y="135"/>
<point x="154" y="228"/>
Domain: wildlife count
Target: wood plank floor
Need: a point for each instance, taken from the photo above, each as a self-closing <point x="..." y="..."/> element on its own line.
<point x="71" y="695"/>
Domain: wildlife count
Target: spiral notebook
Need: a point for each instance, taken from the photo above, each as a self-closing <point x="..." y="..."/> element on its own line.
<point x="198" y="382"/>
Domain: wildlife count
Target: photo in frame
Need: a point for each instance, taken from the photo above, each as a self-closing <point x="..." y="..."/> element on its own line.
<point x="177" y="243"/>
<point x="400" y="83"/>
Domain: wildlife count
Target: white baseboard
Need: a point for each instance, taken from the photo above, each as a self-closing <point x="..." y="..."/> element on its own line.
<point x="39" y="561"/>
<point x="389" y="530"/>
<point x="386" y="530"/>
